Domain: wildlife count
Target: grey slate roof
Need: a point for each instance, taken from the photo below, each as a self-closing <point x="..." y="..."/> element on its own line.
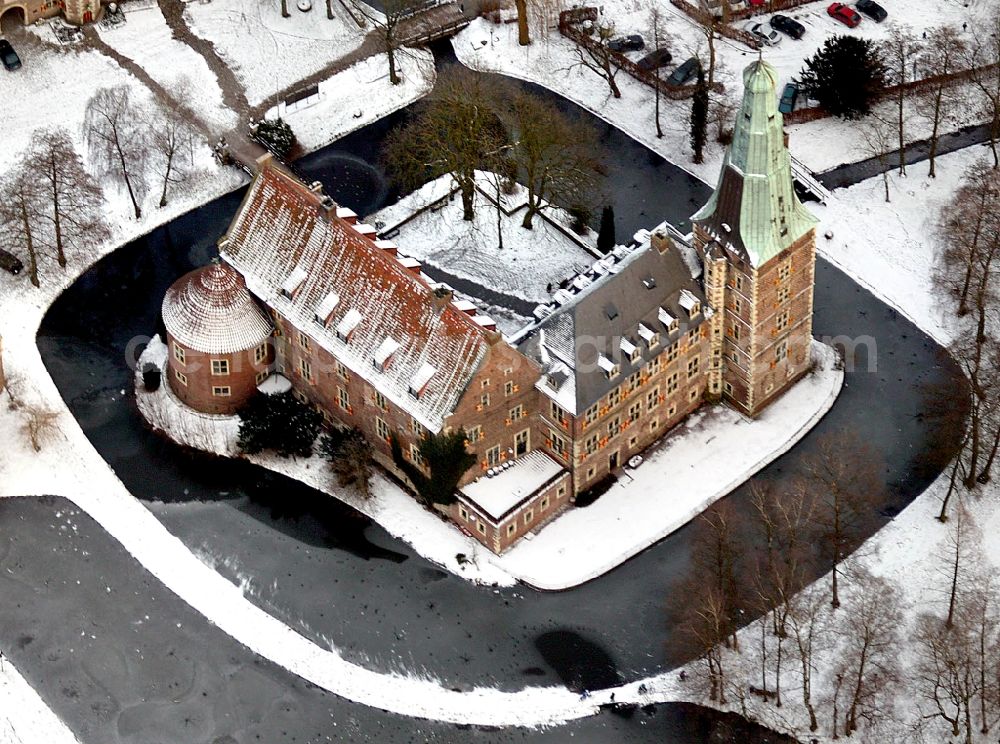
<point x="600" y="316"/>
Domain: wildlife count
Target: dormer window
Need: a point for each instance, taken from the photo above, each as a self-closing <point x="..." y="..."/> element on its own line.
<point x="383" y="354"/>
<point x="420" y="380"/>
<point x="664" y="316"/>
<point x="609" y="367"/>
<point x="324" y="311"/>
<point x="348" y="324"/>
<point x="690" y="303"/>
<point x="293" y="284"/>
<point x="650" y="337"/>
<point x="631" y="350"/>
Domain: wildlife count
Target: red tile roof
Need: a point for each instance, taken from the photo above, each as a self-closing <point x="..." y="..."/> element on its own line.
<point x="210" y="310"/>
<point x="282" y="226"/>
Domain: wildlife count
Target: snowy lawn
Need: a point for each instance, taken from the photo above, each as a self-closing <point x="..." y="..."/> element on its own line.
<point x="357" y="96"/>
<point x="147" y="40"/>
<point x="24" y="716"/>
<point x="552" y="62"/>
<point x="890" y="248"/>
<point x="268" y="52"/>
<point x="529" y="261"/>
<point x="51" y="89"/>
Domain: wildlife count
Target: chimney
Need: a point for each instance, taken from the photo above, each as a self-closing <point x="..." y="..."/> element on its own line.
<point x="348" y="215"/>
<point x="327" y="205"/>
<point x="386" y="246"/>
<point x="660" y="241"/>
<point x="316" y="187"/>
<point x="264" y="162"/>
<point x="441" y="296"/>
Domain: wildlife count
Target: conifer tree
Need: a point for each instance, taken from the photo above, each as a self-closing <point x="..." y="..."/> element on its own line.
<point x="699" y="117"/>
<point x="845" y="75"/>
<point x="446" y="461"/>
<point x="606" y="235"/>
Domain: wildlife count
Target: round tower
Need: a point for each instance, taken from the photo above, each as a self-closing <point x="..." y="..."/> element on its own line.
<point x="217" y="339"/>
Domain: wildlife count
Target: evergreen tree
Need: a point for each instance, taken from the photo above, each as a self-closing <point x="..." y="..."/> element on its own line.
<point x="446" y="461"/>
<point x="276" y="135"/>
<point x="350" y="456"/>
<point x="606" y="235"/>
<point x="699" y="117"/>
<point x="845" y="76"/>
<point x="278" y="422"/>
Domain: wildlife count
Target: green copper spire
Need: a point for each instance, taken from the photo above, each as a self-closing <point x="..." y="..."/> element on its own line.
<point x="754" y="208"/>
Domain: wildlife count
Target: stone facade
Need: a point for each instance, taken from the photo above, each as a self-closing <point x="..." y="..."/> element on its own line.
<point x="76" y="12"/>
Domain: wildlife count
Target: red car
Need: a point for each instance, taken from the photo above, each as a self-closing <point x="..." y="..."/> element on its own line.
<point x="845" y="14"/>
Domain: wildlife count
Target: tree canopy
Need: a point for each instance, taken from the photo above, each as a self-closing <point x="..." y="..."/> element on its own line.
<point x="845" y="75"/>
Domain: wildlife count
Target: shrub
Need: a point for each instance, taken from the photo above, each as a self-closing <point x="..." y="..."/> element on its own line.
<point x="276" y="135"/>
<point x="278" y="422"/>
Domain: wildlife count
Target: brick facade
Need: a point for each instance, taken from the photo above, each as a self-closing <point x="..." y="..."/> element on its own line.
<point x="215" y="383"/>
<point x="77" y="12"/>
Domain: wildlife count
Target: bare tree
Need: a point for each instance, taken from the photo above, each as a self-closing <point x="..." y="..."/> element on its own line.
<point x="659" y="38"/>
<point x="717" y="555"/>
<point x="74" y="199"/>
<point x="389" y="26"/>
<point x="456" y="131"/>
<point x="523" y="37"/>
<point x="599" y="59"/>
<point x="171" y="141"/>
<point x="843" y="478"/>
<point x="21" y="203"/>
<point x="805" y="621"/>
<point x="705" y="628"/>
<point x="900" y="54"/>
<point x="958" y="557"/>
<point x="982" y="58"/>
<point x="115" y="140"/>
<point x="939" y="60"/>
<point x="878" y="144"/>
<point x="870" y="629"/>
<point x="41" y="425"/>
<point x="556" y="155"/>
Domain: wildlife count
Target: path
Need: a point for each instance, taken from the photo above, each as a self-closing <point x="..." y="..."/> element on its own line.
<point x="232" y="92"/>
<point x="95" y="42"/>
<point x="852" y="173"/>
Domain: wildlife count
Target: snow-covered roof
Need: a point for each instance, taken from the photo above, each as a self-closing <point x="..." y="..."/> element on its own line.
<point x="210" y="310"/>
<point x="385" y="350"/>
<point x="510" y="486"/>
<point x="327" y="306"/>
<point x="282" y="225"/>
<point x="275" y="384"/>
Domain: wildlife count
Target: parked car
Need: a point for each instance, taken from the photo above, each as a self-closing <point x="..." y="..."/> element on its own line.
<point x="872" y="9"/>
<point x="787" y="103"/>
<point x="787" y="25"/>
<point x="654" y="60"/>
<point x="685" y="72"/>
<point x="10" y="262"/>
<point x="762" y="33"/>
<point x="8" y="56"/>
<point x="845" y="14"/>
<point x="631" y="43"/>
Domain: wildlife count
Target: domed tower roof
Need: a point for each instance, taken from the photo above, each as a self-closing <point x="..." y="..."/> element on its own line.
<point x="210" y="310"/>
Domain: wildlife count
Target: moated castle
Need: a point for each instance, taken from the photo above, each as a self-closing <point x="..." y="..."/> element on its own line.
<point x="629" y="348"/>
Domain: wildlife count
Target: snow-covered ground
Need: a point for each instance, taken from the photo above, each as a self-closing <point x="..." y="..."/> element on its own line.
<point x="268" y="52"/>
<point x="357" y="96"/>
<point x="147" y="40"/>
<point x="529" y="261"/>
<point x="553" y="63"/>
<point x="67" y="80"/>
<point x="24" y="716"/>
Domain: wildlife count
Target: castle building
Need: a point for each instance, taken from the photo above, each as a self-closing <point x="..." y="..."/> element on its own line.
<point x="758" y="245"/>
<point x="21" y="12"/>
<point x="624" y="352"/>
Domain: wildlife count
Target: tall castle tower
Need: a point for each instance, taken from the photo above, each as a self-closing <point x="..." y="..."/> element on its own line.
<point x="758" y="246"/>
